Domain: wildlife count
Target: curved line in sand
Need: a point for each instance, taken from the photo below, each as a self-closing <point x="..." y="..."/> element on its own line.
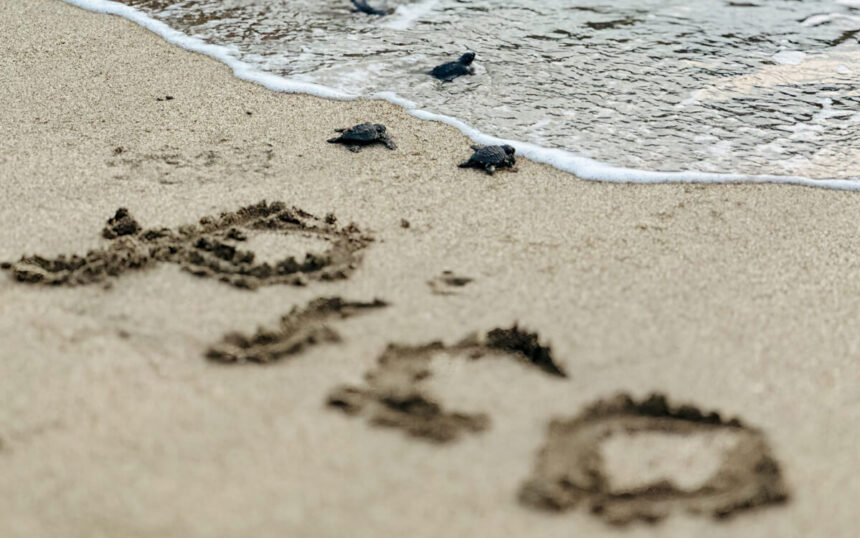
<point x="581" y="167"/>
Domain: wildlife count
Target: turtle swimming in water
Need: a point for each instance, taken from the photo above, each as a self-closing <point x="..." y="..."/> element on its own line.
<point x="361" y="6"/>
<point x="489" y="158"/>
<point x="363" y="134"/>
<point x="451" y="70"/>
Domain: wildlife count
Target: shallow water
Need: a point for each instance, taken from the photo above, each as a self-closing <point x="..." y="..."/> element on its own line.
<point x="750" y="87"/>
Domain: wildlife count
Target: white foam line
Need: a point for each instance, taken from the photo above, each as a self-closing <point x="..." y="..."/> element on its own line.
<point x="242" y="70"/>
<point x="407" y="14"/>
<point x="582" y="167"/>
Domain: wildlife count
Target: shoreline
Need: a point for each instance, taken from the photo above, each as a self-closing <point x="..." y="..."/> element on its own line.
<point x="564" y="160"/>
<point x="736" y="298"/>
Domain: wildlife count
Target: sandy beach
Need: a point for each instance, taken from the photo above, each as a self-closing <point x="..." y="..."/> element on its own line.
<point x="741" y="299"/>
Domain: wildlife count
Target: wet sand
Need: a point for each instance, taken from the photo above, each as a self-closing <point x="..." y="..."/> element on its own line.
<point x="113" y="421"/>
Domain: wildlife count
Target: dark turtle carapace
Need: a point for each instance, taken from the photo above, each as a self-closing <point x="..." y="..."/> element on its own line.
<point x="363" y="134"/>
<point x="361" y="6"/>
<point x="489" y="158"/>
<point x="451" y="70"/>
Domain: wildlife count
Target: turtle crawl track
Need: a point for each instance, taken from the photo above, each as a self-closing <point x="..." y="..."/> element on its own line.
<point x="209" y="249"/>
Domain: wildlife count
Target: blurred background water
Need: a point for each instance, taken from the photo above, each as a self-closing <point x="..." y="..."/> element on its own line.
<point x="745" y="86"/>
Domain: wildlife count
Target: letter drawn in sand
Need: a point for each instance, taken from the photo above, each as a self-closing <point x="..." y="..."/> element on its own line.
<point x="299" y="330"/>
<point x="576" y="465"/>
<point x="394" y="395"/>
<point x="211" y="248"/>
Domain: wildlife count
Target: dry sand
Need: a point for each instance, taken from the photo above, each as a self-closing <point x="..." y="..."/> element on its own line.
<point x="742" y="299"/>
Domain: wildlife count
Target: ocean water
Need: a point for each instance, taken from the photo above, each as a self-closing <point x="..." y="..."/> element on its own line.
<point x="651" y="90"/>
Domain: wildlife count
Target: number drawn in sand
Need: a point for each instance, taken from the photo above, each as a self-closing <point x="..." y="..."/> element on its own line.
<point x="212" y="249"/>
<point x="300" y="329"/>
<point x="394" y="396"/>
<point x="629" y="461"/>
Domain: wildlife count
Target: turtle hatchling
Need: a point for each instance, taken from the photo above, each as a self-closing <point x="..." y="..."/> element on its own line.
<point x="361" y="6"/>
<point x="363" y="134"/>
<point x="451" y="70"/>
<point x="489" y="158"/>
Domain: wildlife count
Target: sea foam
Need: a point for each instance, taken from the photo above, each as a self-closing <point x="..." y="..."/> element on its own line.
<point x="582" y="167"/>
<point x="406" y="15"/>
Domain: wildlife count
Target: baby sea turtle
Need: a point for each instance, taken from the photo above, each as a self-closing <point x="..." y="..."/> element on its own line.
<point x="491" y="157"/>
<point x="363" y="134"/>
<point x="451" y="70"/>
<point x="361" y="6"/>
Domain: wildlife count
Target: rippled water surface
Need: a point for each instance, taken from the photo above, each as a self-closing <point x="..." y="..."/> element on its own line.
<point x="748" y="86"/>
